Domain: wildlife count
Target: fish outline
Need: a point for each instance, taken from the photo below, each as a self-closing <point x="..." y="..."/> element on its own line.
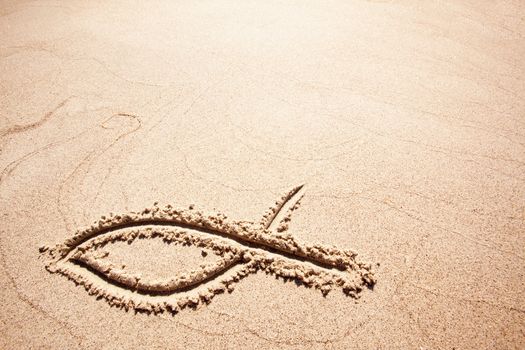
<point x="243" y="246"/>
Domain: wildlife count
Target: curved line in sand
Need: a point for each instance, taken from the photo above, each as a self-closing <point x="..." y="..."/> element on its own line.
<point x="180" y="283"/>
<point x="123" y="297"/>
<point x="83" y="255"/>
<point x="244" y="247"/>
<point x="256" y="241"/>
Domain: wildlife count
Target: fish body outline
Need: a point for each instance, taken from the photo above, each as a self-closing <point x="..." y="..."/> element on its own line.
<point x="243" y="248"/>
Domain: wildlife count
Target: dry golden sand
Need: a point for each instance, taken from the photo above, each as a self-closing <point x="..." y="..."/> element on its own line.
<point x="404" y="119"/>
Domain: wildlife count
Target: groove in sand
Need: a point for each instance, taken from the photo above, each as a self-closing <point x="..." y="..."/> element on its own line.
<point x="243" y="248"/>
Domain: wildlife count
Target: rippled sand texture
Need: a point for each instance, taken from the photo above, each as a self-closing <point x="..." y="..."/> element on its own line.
<point x="405" y="120"/>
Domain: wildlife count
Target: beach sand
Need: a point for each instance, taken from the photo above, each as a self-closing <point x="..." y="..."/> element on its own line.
<point x="146" y="149"/>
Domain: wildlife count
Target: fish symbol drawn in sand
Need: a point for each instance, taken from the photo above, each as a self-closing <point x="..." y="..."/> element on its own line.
<point x="242" y="248"/>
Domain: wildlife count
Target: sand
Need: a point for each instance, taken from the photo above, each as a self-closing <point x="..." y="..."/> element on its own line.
<point x="254" y="175"/>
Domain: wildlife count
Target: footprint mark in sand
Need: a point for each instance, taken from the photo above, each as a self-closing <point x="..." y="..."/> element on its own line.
<point x="242" y="248"/>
